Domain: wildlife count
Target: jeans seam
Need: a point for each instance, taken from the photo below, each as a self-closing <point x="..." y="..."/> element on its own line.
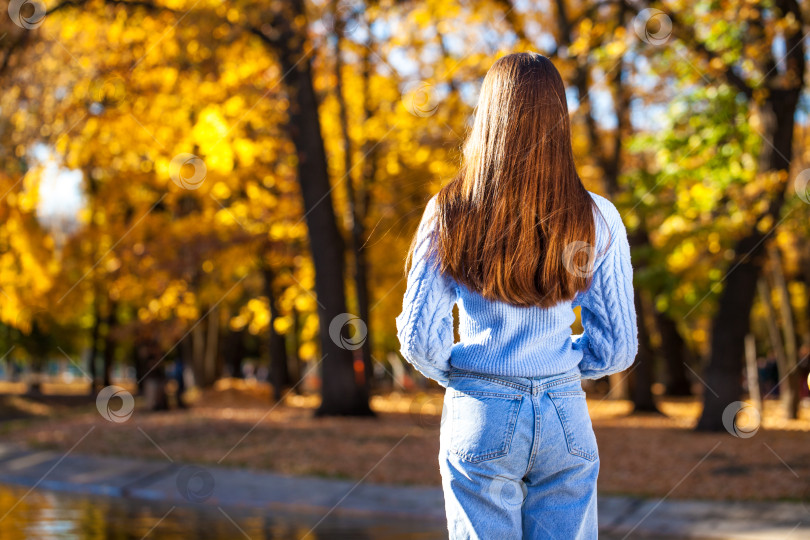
<point x="558" y="382"/>
<point x="568" y="393"/>
<point x="526" y="388"/>
<point x="484" y="393"/>
<point x="517" y="386"/>
<point x="535" y="434"/>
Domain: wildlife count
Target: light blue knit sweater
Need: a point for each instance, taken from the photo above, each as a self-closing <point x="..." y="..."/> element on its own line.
<point x="501" y="339"/>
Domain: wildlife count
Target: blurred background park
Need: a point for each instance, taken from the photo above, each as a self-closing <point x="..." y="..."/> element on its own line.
<point x="206" y="207"/>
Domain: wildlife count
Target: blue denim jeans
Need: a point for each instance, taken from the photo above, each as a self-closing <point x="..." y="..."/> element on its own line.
<point x="518" y="458"/>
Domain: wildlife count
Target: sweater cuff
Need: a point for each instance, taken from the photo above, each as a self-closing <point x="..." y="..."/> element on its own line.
<point x="432" y="372"/>
<point x="589" y="366"/>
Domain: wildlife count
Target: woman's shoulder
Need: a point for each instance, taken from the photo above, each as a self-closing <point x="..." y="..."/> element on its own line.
<point x="427" y="223"/>
<point x="608" y="220"/>
<point x="429" y="214"/>
<point x="605" y="206"/>
<point x="432" y="205"/>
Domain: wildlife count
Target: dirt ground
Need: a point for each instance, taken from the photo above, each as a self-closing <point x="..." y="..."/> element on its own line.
<point x="236" y="425"/>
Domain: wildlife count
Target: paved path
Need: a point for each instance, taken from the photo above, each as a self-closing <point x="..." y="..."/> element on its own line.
<point x="619" y="517"/>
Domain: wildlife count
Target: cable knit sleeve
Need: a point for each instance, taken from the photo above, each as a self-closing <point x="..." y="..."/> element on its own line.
<point x="425" y="326"/>
<point x="609" y="343"/>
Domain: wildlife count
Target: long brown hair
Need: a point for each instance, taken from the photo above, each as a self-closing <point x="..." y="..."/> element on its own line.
<point x="516" y="217"/>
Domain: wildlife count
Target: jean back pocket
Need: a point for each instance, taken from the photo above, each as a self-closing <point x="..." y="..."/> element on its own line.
<point x="482" y="424"/>
<point x="572" y="408"/>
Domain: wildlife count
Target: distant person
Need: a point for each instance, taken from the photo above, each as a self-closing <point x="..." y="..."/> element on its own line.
<point x="178" y="374"/>
<point x="16" y="371"/>
<point x="768" y="371"/>
<point x="517" y="241"/>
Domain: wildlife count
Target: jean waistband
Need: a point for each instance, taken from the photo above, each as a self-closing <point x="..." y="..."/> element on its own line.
<point x="530" y="385"/>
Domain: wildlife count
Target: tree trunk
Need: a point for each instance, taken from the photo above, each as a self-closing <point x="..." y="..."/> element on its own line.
<point x="642" y="372"/>
<point x="729" y="327"/>
<point x="211" y="363"/>
<point x="805" y="266"/>
<point x="789" y="377"/>
<point x="370" y="153"/>
<point x="295" y="339"/>
<point x="751" y="372"/>
<point x="94" y="337"/>
<point x="235" y="352"/>
<point x="340" y="394"/>
<point x="771" y="323"/>
<point x="109" y="344"/>
<point x="356" y="225"/>
<point x="92" y="188"/>
<point x="137" y="361"/>
<point x="675" y="353"/>
<point x="732" y="320"/>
